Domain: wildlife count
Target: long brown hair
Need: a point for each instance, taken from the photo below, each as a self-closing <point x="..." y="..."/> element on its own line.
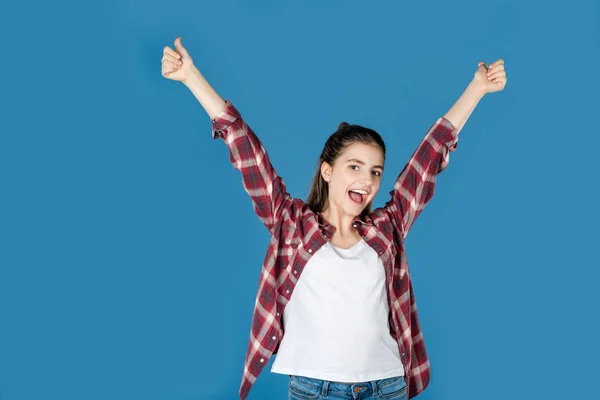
<point x="345" y="135"/>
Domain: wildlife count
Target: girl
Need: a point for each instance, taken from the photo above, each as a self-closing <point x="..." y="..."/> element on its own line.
<point x="335" y="300"/>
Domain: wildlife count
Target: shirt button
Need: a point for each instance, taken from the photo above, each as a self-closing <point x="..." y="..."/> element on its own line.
<point x="355" y="224"/>
<point x="288" y="241"/>
<point x="287" y="291"/>
<point x="262" y="360"/>
<point x="278" y="314"/>
<point x="274" y="338"/>
<point x="310" y="250"/>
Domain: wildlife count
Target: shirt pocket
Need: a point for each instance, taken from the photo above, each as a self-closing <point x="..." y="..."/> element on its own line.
<point x="288" y="243"/>
<point x="392" y="259"/>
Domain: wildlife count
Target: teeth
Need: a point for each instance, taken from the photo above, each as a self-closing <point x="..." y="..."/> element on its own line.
<point x="359" y="191"/>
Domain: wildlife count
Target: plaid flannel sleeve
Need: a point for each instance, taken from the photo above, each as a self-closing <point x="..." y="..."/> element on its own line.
<point x="248" y="155"/>
<point x="415" y="185"/>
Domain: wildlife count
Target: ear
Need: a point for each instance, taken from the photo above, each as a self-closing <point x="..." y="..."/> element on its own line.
<point x="326" y="171"/>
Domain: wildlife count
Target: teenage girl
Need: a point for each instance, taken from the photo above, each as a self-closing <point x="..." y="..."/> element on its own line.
<point x="335" y="300"/>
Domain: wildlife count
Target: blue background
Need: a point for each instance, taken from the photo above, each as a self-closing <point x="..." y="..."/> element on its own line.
<point x="129" y="251"/>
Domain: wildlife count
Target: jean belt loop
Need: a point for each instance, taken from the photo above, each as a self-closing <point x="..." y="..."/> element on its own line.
<point x="374" y="387"/>
<point x="325" y="388"/>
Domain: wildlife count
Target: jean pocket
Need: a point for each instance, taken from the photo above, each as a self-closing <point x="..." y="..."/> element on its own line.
<point x="302" y="389"/>
<point x="392" y="388"/>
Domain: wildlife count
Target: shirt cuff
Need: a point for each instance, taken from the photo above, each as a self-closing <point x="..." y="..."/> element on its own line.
<point x="446" y="133"/>
<point x="226" y="117"/>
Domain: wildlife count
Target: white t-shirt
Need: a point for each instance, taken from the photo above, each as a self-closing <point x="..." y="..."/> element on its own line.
<point x="336" y="322"/>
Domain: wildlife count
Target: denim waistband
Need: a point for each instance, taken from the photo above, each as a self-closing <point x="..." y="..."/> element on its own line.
<point x="325" y="386"/>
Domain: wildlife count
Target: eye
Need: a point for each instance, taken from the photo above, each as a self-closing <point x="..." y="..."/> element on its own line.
<point x="376" y="173"/>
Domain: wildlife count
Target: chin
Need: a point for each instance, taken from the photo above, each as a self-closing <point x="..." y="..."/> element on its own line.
<point x="355" y="211"/>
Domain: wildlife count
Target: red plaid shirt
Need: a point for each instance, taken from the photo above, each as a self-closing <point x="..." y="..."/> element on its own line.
<point x="297" y="233"/>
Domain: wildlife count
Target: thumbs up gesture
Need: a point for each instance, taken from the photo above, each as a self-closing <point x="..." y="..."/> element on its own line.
<point x="177" y="64"/>
<point x="492" y="78"/>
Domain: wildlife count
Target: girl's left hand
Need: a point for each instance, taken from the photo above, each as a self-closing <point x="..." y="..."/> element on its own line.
<point x="492" y="78"/>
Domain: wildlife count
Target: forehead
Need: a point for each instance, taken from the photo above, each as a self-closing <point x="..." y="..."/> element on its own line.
<point x="368" y="153"/>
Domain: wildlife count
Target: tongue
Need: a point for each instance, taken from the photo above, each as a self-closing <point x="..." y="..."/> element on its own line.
<point x="356" y="197"/>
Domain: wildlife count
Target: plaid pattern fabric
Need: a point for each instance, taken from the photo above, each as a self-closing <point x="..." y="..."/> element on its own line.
<point x="296" y="233"/>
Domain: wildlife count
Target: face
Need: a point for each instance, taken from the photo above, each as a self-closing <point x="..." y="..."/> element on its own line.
<point x="359" y="167"/>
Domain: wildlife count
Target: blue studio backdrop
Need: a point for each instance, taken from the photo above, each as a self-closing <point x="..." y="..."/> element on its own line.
<point x="130" y="253"/>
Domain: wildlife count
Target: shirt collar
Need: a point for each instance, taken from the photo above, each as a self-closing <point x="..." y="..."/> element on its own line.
<point x="330" y="229"/>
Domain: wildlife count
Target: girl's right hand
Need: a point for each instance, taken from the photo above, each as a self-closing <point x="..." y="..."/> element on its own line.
<point x="177" y="64"/>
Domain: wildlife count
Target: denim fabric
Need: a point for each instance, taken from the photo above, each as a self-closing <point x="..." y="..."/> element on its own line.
<point x="302" y="388"/>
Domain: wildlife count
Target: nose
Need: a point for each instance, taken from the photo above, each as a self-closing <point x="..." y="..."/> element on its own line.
<point x="366" y="181"/>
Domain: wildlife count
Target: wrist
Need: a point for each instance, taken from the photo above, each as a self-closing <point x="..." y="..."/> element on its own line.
<point x="204" y="93"/>
<point x="194" y="78"/>
<point x="477" y="88"/>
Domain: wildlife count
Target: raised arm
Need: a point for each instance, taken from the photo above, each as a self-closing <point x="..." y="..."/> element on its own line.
<point x="416" y="183"/>
<point x="247" y="154"/>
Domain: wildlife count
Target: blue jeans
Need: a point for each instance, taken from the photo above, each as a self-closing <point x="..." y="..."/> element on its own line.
<point x="302" y="388"/>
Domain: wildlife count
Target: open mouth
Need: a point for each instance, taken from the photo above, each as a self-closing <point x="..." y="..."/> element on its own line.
<point x="357" y="196"/>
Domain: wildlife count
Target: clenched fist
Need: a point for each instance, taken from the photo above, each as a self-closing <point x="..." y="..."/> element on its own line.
<point x="177" y="64"/>
<point x="492" y="78"/>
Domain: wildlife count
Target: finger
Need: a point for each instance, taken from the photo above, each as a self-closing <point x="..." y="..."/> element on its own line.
<point x="172" y="58"/>
<point x="497" y="62"/>
<point x="170" y="51"/>
<point x="500" y="82"/>
<point x="497" y="67"/>
<point x="481" y="64"/>
<point x="496" y="75"/>
<point x="167" y="71"/>
<point x="179" y="47"/>
<point x="171" y="64"/>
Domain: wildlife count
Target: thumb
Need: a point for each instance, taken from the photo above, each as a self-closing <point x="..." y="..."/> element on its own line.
<point x="481" y="63"/>
<point x="179" y="48"/>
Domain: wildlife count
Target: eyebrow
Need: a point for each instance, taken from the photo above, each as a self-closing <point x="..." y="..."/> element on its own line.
<point x="362" y="163"/>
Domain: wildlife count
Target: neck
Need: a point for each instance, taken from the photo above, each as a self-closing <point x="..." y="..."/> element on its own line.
<point x="341" y="221"/>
